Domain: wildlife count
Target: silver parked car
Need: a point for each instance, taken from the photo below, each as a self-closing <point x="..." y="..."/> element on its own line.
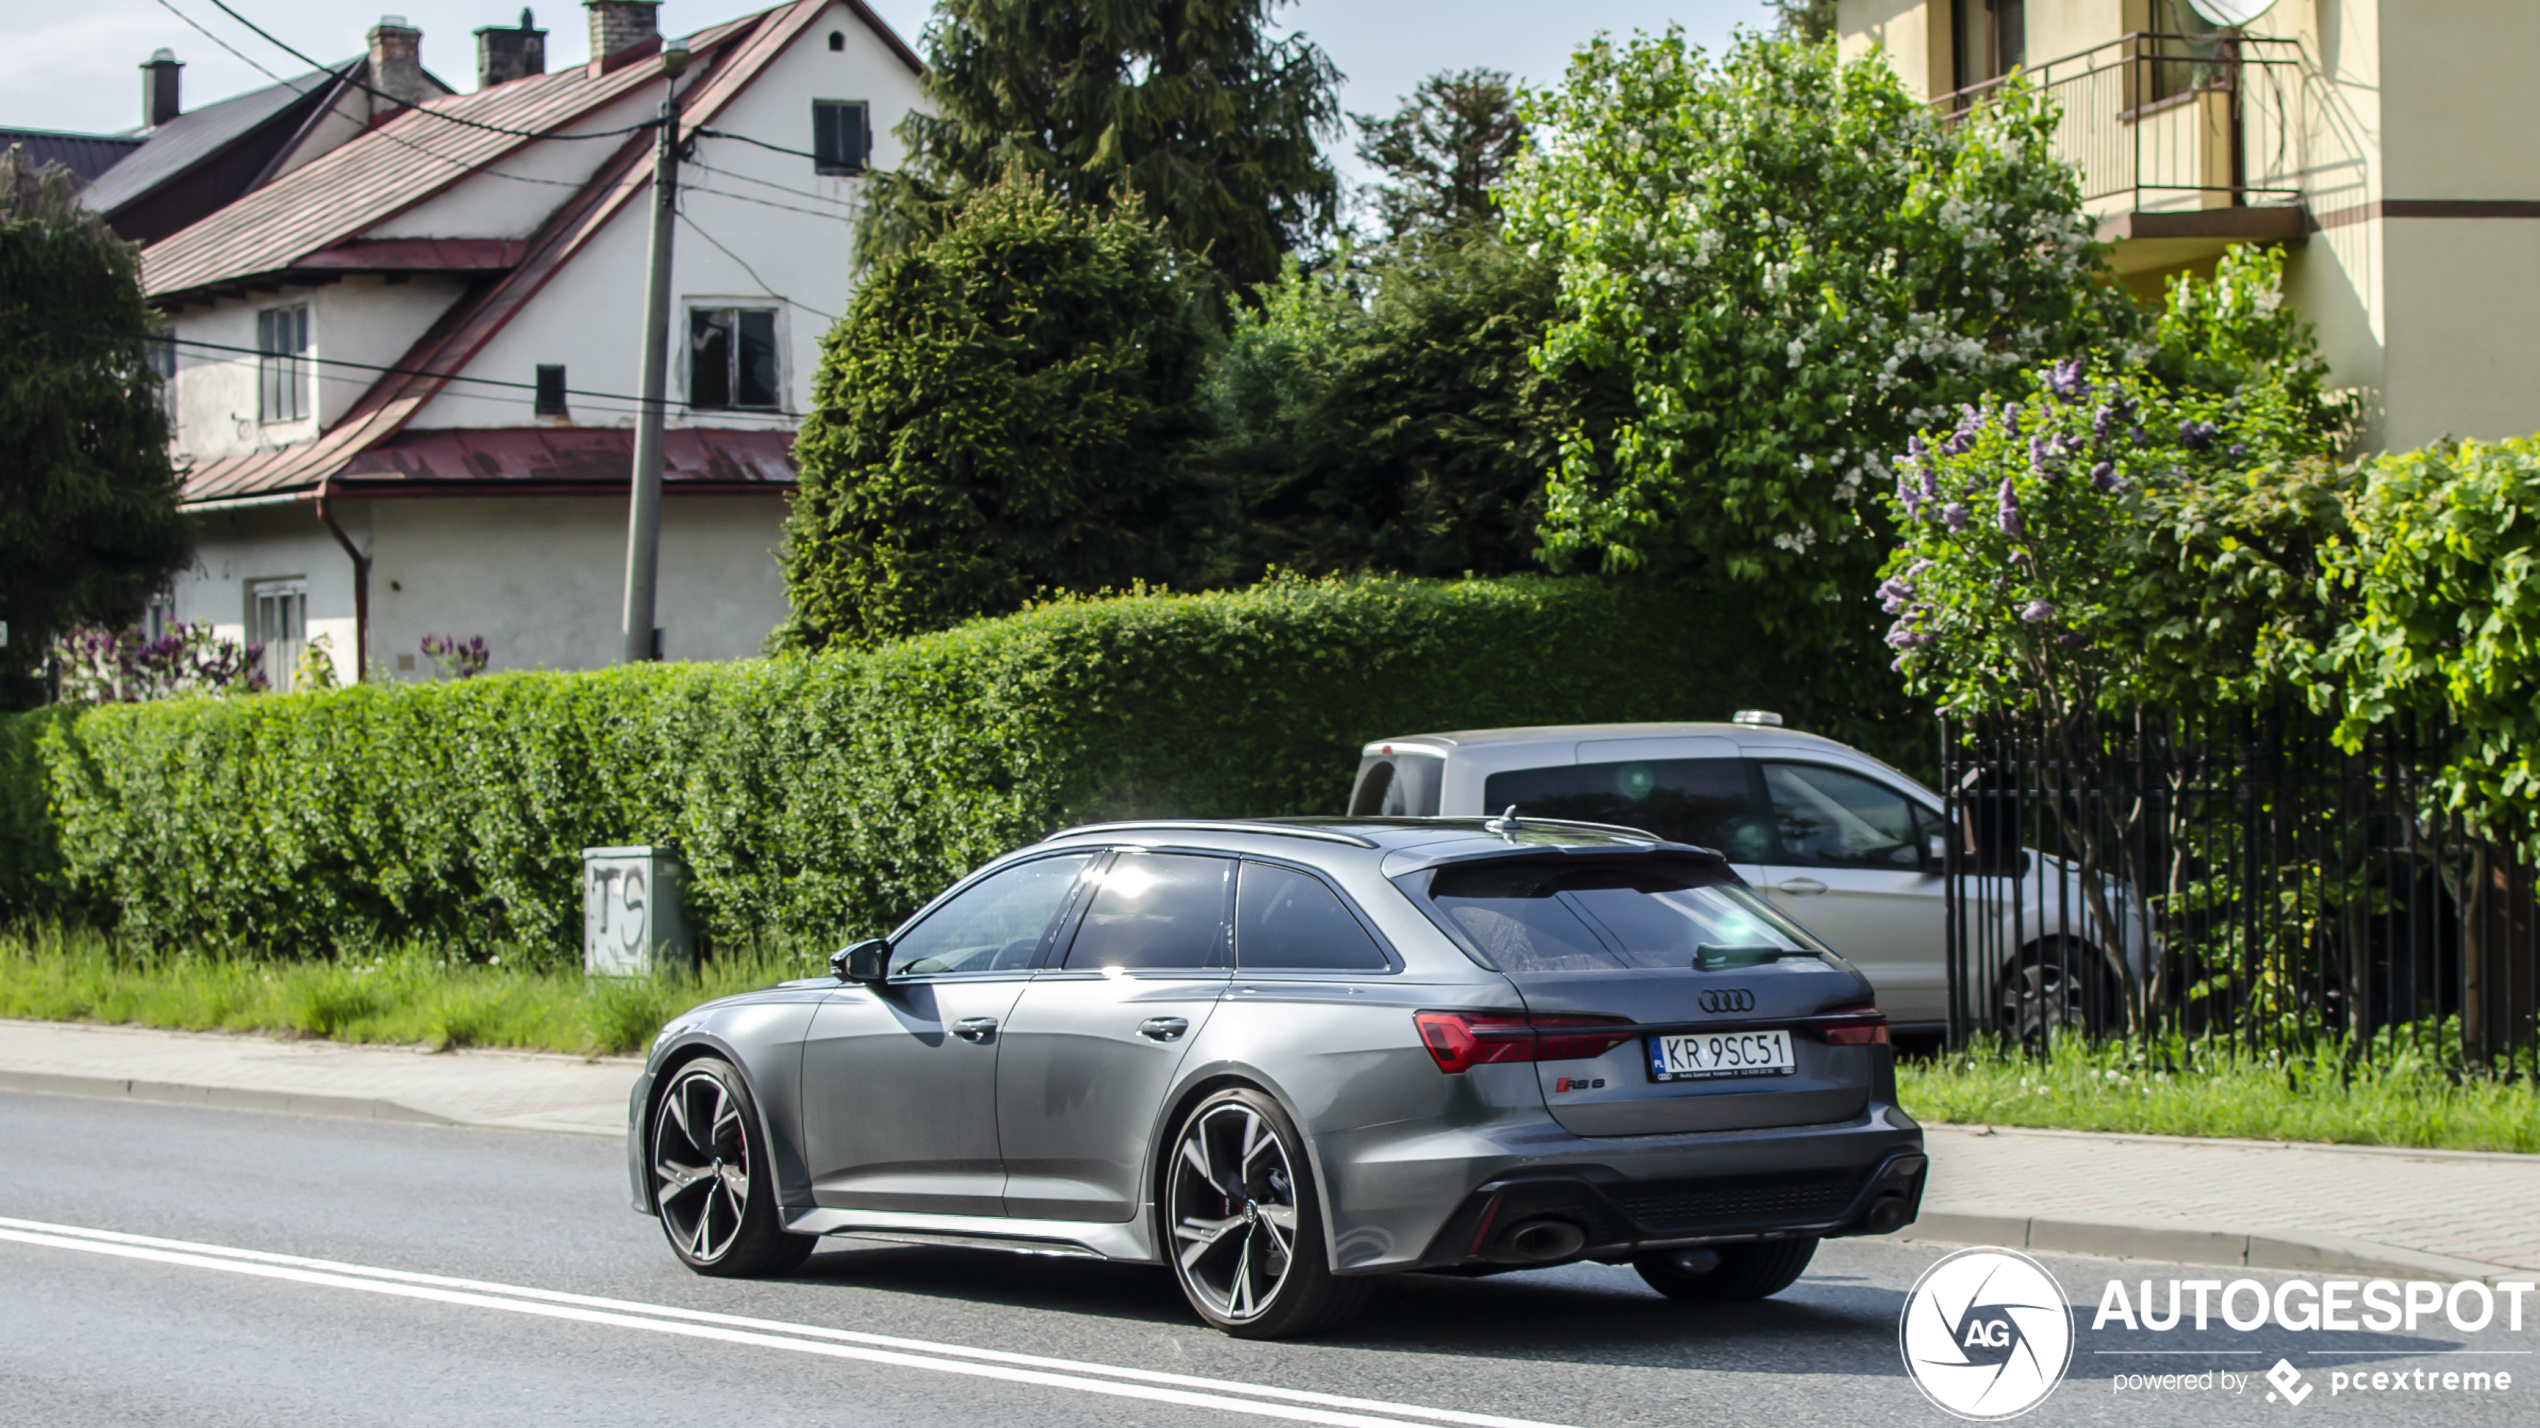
<point x="1283" y="1057"/>
<point x="1843" y="843"/>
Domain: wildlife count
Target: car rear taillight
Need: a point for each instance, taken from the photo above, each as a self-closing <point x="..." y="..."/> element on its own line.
<point x="1457" y="1040"/>
<point x="1855" y="1026"/>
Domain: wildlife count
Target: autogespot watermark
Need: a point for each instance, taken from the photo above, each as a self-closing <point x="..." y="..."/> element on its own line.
<point x="1986" y="1334"/>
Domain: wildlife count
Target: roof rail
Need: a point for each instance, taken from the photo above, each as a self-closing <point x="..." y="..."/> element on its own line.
<point x="1216" y="825"/>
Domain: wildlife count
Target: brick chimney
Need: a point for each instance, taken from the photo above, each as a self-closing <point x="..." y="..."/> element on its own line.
<point x="505" y="55"/>
<point x="622" y="30"/>
<point x="158" y="89"/>
<point x="396" y="60"/>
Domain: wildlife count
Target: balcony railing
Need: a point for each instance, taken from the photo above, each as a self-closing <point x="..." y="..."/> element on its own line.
<point x="2171" y="123"/>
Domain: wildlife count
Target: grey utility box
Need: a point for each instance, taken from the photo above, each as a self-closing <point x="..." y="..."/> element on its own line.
<point x="631" y="922"/>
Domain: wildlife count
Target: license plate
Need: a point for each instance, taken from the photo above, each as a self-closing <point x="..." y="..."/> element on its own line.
<point x="1716" y="1055"/>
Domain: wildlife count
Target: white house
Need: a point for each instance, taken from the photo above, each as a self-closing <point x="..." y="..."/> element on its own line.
<point x="405" y="369"/>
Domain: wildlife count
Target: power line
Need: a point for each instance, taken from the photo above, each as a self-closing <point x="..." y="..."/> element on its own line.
<point x="270" y="39"/>
<point x="764" y="202"/>
<point x="85" y="331"/>
<point x="697" y="163"/>
<point x="721" y="134"/>
<point x="753" y="272"/>
<point x="294" y="87"/>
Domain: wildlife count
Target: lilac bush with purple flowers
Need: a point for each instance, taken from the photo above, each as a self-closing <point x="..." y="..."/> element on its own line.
<point x="102" y="666"/>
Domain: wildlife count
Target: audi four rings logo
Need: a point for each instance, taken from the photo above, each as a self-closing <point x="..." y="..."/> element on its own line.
<point x="1728" y="1000"/>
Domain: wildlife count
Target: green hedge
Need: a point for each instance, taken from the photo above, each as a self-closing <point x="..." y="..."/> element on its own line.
<point x="813" y="797"/>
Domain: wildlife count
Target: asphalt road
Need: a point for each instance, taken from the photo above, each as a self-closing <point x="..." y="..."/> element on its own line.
<point x="98" y="1329"/>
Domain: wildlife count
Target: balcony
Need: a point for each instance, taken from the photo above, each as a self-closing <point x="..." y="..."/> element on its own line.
<point x="2185" y="144"/>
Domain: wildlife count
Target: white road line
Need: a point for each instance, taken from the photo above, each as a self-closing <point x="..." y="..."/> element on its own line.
<point x="1186" y="1389"/>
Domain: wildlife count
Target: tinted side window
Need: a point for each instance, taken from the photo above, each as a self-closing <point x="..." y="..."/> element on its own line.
<point x="1831" y="819"/>
<point x="1156" y="910"/>
<point x="1285" y="920"/>
<point x="1706" y="802"/>
<point x="995" y="925"/>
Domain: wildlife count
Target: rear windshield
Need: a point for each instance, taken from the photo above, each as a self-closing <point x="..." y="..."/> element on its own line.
<point x="1706" y="802"/>
<point x="1401" y="785"/>
<point x="1569" y="917"/>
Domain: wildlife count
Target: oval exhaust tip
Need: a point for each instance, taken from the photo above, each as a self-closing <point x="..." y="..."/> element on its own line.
<point x="1542" y="1241"/>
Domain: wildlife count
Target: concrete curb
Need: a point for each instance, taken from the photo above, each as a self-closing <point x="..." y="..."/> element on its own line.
<point x="2284" y="1249"/>
<point x="239" y="1098"/>
<point x="2402" y="1152"/>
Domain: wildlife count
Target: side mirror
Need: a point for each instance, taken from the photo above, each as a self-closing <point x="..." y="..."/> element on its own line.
<point x="1935" y="852"/>
<point x="863" y="962"/>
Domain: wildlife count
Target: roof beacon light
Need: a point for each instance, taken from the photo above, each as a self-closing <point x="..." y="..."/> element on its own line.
<point x="1764" y="718"/>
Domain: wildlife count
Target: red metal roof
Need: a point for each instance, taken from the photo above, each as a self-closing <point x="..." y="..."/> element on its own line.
<point x="396" y="166"/>
<point x="417" y="255"/>
<point x="481" y="458"/>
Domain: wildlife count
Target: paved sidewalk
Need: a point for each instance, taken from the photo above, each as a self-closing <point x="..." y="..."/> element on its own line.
<point x="2421" y="1214"/>
<point x="528" y="1091"/>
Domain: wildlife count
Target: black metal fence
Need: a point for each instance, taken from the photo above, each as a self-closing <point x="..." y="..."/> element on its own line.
<point x="2233" y="877"/>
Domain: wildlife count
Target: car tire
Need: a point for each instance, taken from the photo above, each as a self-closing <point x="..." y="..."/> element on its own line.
<point x="2048" y="994"/>
<point x="712" y="1183"/>
<point x="1742" y="1273"/>
<point x="1242" y="1227"/>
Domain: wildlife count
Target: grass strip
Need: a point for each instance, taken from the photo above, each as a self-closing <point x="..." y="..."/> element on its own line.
<point x="405" y="996"/>
<point x="2412" y="1092"/>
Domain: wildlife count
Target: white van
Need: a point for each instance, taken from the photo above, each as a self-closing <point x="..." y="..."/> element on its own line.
<point x="1846" y="844"/>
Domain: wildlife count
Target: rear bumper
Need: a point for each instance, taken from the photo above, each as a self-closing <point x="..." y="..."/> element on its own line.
<point x="1455" y="1200"/>
<point x="1525" y="1221"/>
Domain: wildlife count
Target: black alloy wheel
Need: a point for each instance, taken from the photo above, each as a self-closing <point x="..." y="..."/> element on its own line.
<point x="1727" y="1274"/>
<point x="711" y="1184"/>
<point x="1242" y="1225"/>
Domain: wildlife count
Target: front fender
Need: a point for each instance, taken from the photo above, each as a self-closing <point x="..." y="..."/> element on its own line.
<point x="763" y="1039"/>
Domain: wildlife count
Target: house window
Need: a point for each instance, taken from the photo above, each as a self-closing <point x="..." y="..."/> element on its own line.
<point x="732" y="359"/>
<point x="837" y="42"/>
<point x="282" y="383"/>
<point x="278" y="619"/>
<point x="162" y="352"/>
<point x="841" y="136"/>
<point x="550" y="390"/>
<point x="1992" y="39"/>
<point x="159" y="616"/>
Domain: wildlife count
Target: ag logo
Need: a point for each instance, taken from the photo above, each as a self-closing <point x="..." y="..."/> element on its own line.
<point x="1986" y="1334"/>
<point x="1732" y="999"/>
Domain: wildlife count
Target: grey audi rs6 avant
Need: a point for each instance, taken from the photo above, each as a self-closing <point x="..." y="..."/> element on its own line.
<point x="1283" y="1057"/>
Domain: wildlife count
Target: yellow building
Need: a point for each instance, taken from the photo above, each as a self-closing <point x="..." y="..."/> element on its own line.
<point x="2381" y="140"/>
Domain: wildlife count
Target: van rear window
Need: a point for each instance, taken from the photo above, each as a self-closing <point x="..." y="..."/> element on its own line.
<point x="1397" y="786"/>
<point x="1709" y="803"/>
<point x="1529" y="916"/>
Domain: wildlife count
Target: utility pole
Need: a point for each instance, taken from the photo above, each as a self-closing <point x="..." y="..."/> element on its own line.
<point x="643" y="516"/>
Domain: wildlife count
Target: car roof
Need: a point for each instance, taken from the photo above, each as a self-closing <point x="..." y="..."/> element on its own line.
<point x="1371" y="834"/>
<point x="1747" y="735"/>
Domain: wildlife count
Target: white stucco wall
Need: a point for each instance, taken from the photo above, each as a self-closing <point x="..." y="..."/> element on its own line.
<point x="543" y="579"/>
<point x="363" y="319"/>
<point x="590" y="316"/>
<point x="235" y="550"/>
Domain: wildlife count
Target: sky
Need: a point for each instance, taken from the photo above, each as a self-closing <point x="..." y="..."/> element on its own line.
<point x="75" y="66"/>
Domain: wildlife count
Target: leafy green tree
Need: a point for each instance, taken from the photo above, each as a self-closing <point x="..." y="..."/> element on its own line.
<point x="1004" y="409"/>
<point x="1443" y="151"/>
<point x="1794" y="265"/>
<point x="88" y="517"/>
<point x="1193" y="106"/>
<point x="2444" y="573"/>
<point x="1804" y="19"/>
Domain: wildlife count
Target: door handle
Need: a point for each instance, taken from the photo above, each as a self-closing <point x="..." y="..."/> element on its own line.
<point x="1163" y="1028"/>
<point x="1799" y="887"/>
<point x="975" y="1028"/>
